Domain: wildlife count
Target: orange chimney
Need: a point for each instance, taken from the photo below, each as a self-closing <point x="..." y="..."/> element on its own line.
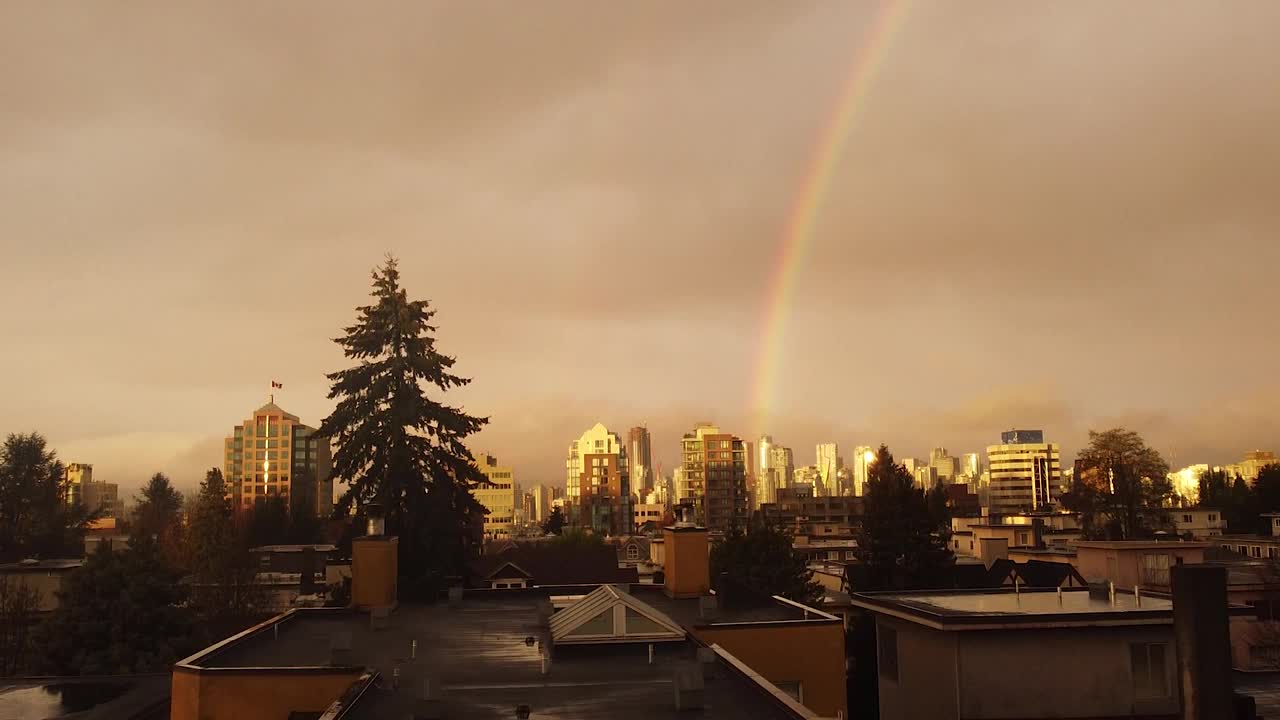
<point x="687" y="568"/>
<point x="374" y="566"/>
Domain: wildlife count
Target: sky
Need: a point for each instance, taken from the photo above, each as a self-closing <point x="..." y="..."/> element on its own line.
<point x="1042" y="215"/>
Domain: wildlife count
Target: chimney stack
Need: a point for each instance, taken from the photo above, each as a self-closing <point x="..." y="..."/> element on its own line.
<point x="687" y="565"/>
<point x="374" y="566"/>
<point x="1200" y="627"/>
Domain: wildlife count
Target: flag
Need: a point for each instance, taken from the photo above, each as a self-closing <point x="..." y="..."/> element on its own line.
<point x="275" y="385"/>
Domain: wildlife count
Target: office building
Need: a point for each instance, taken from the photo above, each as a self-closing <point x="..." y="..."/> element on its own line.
<point x="765" y="450"/>
<point x="273" y="453"/>
<point x="971" y="466"/>
<point x="863" y="456"/>
<point x="102" y="498"/>
<point x="715" y="469"/>
<point x="542" y="497"/>
<point x="601" y="490"/>
<point x="926" y="477"/>
<point x="498" y="496"/>
<point x="946" y="465"/>
<point x="828" y="463"/>
<point x="1025" y="475"/>
<point x="640" y="459"/>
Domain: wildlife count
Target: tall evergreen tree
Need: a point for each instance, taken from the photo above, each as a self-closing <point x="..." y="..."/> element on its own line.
<point x="396" y="445"/>
<point x="899" y="543"/>
<point x="221" y="567"/>
<point x="157" y="519"/>
<point x="34" y="520"/>
<point x="267" y="522"/>
<point x="1128" y="479"/>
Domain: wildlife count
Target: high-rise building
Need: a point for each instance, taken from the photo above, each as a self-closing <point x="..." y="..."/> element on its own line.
<point x="103" y="498"/>
<point x="715" y="468"/>
<point x="829" y="463"/>
<point x="863" y="456"/>
<point x="1025" y="475"/>
<point x="807" y="477"/>
<point x="598" y="483"/>
<point x="971" y="465"/>
<point x="764" y="448"/>
<point x="542" y="497"/>
<point x="498" y="495"/>
<point x="273" y="453"/>
<point x="782" y="461"/>
<point x="640" y="459"/>
<point x="926" y="477"/>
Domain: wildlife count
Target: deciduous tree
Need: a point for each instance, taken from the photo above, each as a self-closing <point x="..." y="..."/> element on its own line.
<point x="34" y="520"/>
<point x="1127" y="479"/>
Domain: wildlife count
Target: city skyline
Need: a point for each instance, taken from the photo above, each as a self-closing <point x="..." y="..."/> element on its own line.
<point x="1077" y="240"/>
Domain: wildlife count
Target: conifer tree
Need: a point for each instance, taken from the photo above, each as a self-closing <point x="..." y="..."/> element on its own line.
<point x="899" y="542"/>
<point x="399" y="447"/>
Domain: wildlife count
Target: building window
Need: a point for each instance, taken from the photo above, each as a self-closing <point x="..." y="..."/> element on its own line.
<point x="887" y="645"/>
<point x="1186" y="518"/>
<point x="1256" y="551"/>
<point x="633" y="553"/>
<point x="1213" y="518"/>
<point x="1150" y="678"/>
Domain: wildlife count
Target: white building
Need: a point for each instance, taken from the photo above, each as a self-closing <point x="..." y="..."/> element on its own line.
<point x="596" y="441"/>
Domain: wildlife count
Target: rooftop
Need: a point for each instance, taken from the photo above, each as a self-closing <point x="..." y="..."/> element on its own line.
<point x="293" y="548"/>
<point x="688" y="612"/>
<point x="42" y="565"/>
<point x="484" y="655"/>
<point x="1141" y="544"/>
<point x="988" y="609"/>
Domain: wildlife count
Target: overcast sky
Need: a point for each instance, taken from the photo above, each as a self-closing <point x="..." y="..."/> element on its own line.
<point x="1057" y="215"/>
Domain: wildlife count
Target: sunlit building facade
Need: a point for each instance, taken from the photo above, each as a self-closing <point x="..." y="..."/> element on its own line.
<point x="715" y="469"/>
<point x="273" y="454"/>
<point x="1026" y="473"/>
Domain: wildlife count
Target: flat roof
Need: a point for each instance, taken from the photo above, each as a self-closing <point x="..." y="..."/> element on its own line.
<point x="293" y="548"/>
<point x="688" y="613"/>
<point x="38" y="565"/>
<point x="484" y="658"/>
<point x="1245" y="538"/>
<point x="1142" y="544"/>
<point x="989" y="609"/>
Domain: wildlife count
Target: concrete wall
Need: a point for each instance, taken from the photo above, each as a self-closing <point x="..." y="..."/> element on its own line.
<point x="811" y="654"/>
<point x="1075" y="672"/>
<point x="926" y="685"/>
<point x="1123" y="566"/>
<point x="255" y="695"/>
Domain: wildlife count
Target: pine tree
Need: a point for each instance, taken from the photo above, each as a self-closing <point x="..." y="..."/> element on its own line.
<point x="761" y="562"/>
<point x="221" y="568"/>
<point x="899" y="543"/>
<point x="157" y="522"/>
<point x="398" y="447"/>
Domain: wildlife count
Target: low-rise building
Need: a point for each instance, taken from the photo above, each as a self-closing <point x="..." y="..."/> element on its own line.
<point x="1004" y="654"/>
<point x="1199" y="523"/>
<point x="1130" y="563"/>
<point x="498" y="496"/>
<point x="45" y="577"/>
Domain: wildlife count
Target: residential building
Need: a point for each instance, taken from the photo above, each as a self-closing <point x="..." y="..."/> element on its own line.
<point x="647" y="513"/>
<point x="610" y="649"/>
<point x="998" y="654"/>
<point x="45" y="577"/>
<point x="273" y="454"/>
<point x="640" y="457"/>
<point x="102" y="498"/>
<point x="765" y="449"/>
<point x="828" y="463"/>
<point x="782" y="460"/>
<point x="807" y="478"/>
<point x="1129" y="563"/>
<point x="1253" y="462"/>
<point x="1199" y="523"/>
<point x="971" y="465"/>
<point x="1026" y="473"/>
<point x="498" y="495"/>
<point x="863" y="456"/>
<point x="715" y="470"/>
<point x="599" y="481"/>
<point x="806" y="515"/>
<point x="542" y="497"/>
<point x="74" y="477"/>
<point x="539" y="564"/>
<point x="926" y="477"/>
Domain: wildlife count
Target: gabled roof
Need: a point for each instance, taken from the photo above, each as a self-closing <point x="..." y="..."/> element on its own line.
<point x="549" y="563"/>
<point x="508" y="570"/>
<point x="610" y="615"/>
<point x="1044" y="574"/>
<point x="272" y="409"/>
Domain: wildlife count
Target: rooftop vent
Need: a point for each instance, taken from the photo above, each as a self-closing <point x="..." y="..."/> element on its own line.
<point x="684" y="512"/>
<point x="689" y="684"/>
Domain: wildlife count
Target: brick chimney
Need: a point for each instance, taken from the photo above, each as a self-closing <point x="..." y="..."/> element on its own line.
<point x="374" y="565"/>
<point x="687" y="567"/>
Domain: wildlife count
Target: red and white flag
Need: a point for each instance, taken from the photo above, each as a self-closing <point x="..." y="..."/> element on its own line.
<point x="275" y="385"/>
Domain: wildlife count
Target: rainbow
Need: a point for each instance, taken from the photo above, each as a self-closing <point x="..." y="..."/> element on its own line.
<point x="807" y="205"/>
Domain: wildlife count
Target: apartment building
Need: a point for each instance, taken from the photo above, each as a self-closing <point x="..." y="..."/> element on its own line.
<point x="498" y="495"/>
<point x="715" y="470"/>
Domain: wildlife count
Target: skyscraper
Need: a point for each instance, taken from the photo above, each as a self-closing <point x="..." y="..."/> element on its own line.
<point x="272" y="453"/>
<point x="863" y="456"/>
<point x="1026" y="474"/>
<point x="74" y="477"/>
<point x="598" y="482"/>
<point x="971" y="465"/>
<point x="782" y="462"/>
<point x="715" y="468"/>
<point x="829" y="464"/>
<point x="640" y="459"/>
<point x="946" y="465"/>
